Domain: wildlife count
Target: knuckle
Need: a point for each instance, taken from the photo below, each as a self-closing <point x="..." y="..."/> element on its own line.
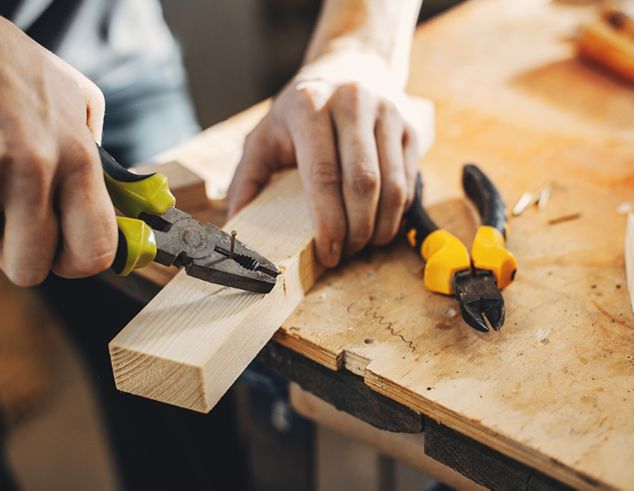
<point x="365" y="182"/>
<point x="386" y="109"/>
<point x="352" y="88"/>
<point x="352" y="94"/>
<point x="83" y="160"/>
<point x="395" y="196"/>
<point x="325" y="174"/>
<point x="307" y="98"/>
<point x="35" y="166"/>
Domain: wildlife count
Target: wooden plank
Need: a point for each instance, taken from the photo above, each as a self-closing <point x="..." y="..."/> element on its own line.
<point x="193" y="339"/>
<point x="187" y="187"/>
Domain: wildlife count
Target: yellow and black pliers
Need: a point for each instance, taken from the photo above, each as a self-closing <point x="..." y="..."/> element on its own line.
<point x="155" y="230"/>
<point x="474" y="279"/>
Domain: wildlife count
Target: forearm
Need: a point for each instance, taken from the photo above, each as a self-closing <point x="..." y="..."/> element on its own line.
<point x="377" y="28"/>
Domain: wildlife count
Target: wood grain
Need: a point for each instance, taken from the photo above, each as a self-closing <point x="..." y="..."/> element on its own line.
<point x="193" y="339"/>
<point x="555" y="388"/>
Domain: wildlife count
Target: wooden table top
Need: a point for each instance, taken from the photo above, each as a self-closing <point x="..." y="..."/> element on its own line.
<point x="554" y="388"/>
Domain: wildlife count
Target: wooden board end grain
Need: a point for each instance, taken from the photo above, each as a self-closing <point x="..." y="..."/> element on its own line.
<point x="194" y="339"/>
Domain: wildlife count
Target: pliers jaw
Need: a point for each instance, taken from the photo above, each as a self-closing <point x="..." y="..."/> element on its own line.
<point x="154" y="229"/>
<point x="480" y="299"/>
<point x="206" y="252"/>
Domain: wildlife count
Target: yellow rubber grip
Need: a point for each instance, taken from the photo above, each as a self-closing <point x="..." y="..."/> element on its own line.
<point x="489" y="252"/>
<point x="445" y="255"/>
<point x="150" y="195"/>
<point x="137" y="246"/>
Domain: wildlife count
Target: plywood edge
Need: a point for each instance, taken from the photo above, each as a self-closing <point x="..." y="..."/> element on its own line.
<point x="549" y="466"/>
<point x="327" y="358"/>
<point x="158" y="378"/>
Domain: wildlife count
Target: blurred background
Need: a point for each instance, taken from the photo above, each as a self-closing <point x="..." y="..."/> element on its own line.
<point x="237" y="52"/>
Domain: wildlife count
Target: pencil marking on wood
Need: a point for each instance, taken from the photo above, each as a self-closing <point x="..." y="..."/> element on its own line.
<point x="373" y="313"/>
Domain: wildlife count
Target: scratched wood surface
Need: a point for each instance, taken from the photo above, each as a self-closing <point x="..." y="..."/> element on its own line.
<point x="555" y="388"/>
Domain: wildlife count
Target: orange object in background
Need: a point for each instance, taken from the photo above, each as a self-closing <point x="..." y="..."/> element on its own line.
<point x="609" y="40"/>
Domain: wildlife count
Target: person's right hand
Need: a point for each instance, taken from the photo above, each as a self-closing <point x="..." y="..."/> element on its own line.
<point x="53" y="201"/>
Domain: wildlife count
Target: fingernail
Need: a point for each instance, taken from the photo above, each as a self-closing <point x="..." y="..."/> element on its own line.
<point x="335" y="252"/>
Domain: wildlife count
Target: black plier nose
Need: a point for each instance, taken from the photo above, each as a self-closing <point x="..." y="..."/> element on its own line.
<point x="155" y="230"/>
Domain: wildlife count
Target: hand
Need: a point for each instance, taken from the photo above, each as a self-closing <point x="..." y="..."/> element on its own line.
<point x="354" y="143"/>
<point x="57" y="213"/>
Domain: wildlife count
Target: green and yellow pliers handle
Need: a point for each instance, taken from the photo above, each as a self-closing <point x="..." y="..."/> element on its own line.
<point x="445" y="254"/>
<point x="133" y="195"/>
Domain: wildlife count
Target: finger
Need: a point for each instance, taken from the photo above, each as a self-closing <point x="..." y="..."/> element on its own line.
<point x="316" y="154"/>
<point x="354" y="116"/>
<point x="30" y="227"/>
<point x="411" y="155"/>
<point x="388" y="133"/>
<point x="87" y="220"/>
<point x="254" y="171"/>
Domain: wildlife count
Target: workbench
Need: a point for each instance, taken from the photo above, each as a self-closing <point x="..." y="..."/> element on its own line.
<point x="547" y="402"/>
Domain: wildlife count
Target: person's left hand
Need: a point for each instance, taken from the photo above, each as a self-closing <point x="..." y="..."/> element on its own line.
<point x="356" y="145"/>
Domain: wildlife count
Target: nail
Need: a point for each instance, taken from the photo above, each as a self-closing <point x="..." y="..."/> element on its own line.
<point x="233" y="242"/>
<point x="335" y="252"/>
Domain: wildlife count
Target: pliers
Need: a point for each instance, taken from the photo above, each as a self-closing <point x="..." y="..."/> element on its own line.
<point x="474" y="279"/>
<point x="155" y="230"/>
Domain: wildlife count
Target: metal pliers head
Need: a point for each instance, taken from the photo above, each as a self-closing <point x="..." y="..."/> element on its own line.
<point x="155" y="230"/>
<point x="479" y="298"/>
<point x="209" y="253"/>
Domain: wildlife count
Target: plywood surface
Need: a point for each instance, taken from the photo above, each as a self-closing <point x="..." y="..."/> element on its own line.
<point x="555" y="388"/>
